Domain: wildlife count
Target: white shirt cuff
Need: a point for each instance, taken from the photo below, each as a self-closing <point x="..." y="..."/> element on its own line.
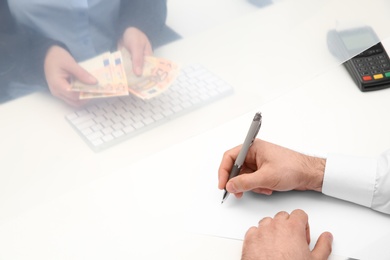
<point x="350" y="178"/>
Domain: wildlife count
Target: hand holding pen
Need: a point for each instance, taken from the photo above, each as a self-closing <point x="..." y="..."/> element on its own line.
<point x="250" y="137"/>
<point x="269" y="167"/>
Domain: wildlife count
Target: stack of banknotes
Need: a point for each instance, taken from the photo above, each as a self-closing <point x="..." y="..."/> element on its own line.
<point x="115" y="76"/>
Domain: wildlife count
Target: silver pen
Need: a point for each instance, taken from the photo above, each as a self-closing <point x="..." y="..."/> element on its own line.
<point x="250" y="137"/>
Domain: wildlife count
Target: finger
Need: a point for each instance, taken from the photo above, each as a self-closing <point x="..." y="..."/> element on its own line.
<point x="250" y="232"/>
<point x="72" y="100"/>
<point x="300" y="216"/>
<point x="137" y="58"/>
<point x="226" y="165"/>
<point x="265" y="221"/>
<point x="247" y="182"/>
<point x="81" y="74"/>
<point x="263" y="191"/>
<point x="61" y="91"/>
<point x="302" y="219"/>
<point x="75" y="102"/>
<point x="323" y="247"/>
<point x="308" y="233"/>
<point x="282" y="215"/>
<point x="238" y="195"/>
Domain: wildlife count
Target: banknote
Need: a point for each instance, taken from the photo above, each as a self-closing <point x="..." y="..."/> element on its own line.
<point x="157" y="75"/>
<point x="101" y="67"/>
<point x="115" y="76"/>
<point x="90" y="95"/>
<point x="118" y="78"/>
<point x="118" y="71"/>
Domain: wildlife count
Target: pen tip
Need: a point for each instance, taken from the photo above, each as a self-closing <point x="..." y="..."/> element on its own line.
<point x="225" y="195"/>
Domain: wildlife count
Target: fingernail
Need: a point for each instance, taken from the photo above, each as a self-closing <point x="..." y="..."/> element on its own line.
<point x="330" y="236"/>
<point x="232" y="188"/>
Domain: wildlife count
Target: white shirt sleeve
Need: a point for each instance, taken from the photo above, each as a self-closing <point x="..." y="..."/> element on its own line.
<point x="365" y="181"/>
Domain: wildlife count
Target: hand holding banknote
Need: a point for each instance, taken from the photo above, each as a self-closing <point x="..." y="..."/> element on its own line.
<point x="116" y="77"/>
<point x="59" y="68"/>
<point x="138" y="45"/>
<point x="157" y="75"/>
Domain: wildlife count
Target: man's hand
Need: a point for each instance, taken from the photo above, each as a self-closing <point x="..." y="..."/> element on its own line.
<point x="285" y="237"/>
<point x="269" y="167"/>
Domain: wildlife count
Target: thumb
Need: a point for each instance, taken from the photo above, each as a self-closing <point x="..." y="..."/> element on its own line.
<point x="81" y="74"/>
<point x="244" y="182"/>
<point x="323" y="247"/>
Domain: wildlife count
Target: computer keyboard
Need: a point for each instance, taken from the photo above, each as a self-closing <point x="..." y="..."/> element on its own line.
<point x="113" y="120"/>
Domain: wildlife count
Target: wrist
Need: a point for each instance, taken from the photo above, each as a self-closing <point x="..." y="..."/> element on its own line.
<point x="314" y="168"/>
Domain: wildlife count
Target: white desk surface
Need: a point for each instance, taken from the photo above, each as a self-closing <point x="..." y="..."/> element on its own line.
<point x="204" y="13"/>
<point x="60" y="200"/>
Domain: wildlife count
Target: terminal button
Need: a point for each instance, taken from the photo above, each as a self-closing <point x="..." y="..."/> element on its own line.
<point x="367" y="78"/>
<point x="378" y="76"/>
